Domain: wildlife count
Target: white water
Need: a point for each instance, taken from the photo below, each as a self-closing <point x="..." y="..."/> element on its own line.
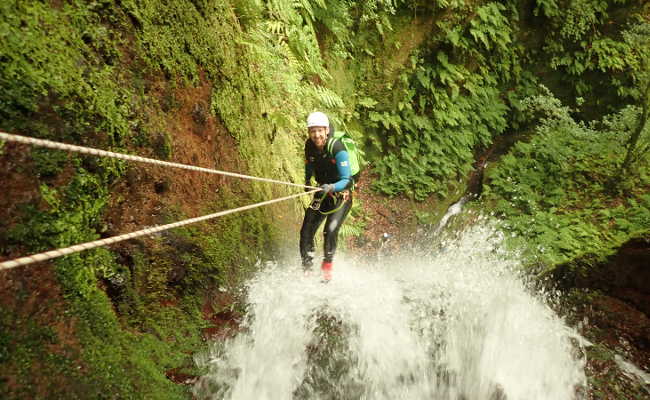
<point x="632" y="371"/>
<point x="454" y="209"/>
<point x="459" y="324"/>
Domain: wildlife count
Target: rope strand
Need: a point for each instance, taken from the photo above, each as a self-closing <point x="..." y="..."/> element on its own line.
<point x="103" y="153"/>
<point x="148" y="231"/>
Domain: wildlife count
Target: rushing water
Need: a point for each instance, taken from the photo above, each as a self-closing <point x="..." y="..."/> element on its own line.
<point x="457" y="324"/>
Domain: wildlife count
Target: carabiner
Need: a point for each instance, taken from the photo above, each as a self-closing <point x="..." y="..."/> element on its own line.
<point x="315" y="204"/>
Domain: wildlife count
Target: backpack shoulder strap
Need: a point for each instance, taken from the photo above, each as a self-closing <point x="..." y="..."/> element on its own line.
<point x="330" y="145"/>
<point x="337" y="136"/>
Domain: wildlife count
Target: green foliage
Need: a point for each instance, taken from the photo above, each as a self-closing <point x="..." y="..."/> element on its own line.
<point x="72" y="215"/>
<point x="551" y="192"/>
<point x="226" y="252"/>
<point x="60" y="62"/>
<point x="638" y="144"/>
<point x="177" y="37"/>
<point x="48" y="163"/>
<point x="549" y="8"/>
<point x="583" y="40"/>
<point x="86" y="348"/>
<point x="123" y="364"/>
<point x="28" y="347"/>
<point x="637" y="40"/>
<point x="465" y="85"/>
<point x="355" y="223"/>
<point x="448" y="107"/>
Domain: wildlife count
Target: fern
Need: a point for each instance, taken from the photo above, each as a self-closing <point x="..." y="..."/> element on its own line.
<point x="327" y="97"/>
<point x="550" y="191"/>
<point x="447" y="111"/>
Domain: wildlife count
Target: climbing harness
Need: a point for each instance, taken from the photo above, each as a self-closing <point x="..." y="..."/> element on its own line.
<point x="315" y="205"/>
<point x="148" y="231"/>
<point x="338" y="203"/>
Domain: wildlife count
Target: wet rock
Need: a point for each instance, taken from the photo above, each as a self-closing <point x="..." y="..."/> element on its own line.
<point x="625" y="275"/>
<point x="181" y="378"/>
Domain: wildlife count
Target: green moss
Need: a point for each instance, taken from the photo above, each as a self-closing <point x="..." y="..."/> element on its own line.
<point x="56" y="71"/>
<point x="48" y="163"/>
<point x="124" y="364"/>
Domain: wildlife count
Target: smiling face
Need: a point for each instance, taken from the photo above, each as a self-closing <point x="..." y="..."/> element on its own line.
<point x="318" y="136"/>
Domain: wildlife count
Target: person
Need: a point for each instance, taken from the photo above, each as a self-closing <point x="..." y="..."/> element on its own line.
<point x="327" y="160"/>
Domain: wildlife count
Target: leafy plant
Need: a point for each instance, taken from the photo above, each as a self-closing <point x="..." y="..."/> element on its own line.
<point x="551" y="191"/>
<point x="638" y="144"/>
<point x="448" y="107"/>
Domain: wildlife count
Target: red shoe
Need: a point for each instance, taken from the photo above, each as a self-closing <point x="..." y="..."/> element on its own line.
<point x="326" y="267"/>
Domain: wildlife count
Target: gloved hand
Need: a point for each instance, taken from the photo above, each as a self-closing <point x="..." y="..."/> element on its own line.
<point x="327" y="188"/>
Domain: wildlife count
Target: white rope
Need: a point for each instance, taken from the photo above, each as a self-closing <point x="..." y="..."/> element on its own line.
<point x="103" y="242"/>
<point x="89" y="150"/>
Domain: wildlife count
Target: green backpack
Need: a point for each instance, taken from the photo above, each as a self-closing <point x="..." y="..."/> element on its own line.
<point x="351" y="148"/>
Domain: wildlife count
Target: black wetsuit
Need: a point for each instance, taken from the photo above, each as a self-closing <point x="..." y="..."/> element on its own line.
<point x="332" y="168"/>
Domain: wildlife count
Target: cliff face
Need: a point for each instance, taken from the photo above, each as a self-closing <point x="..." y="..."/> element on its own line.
<point x="110" y="322"/>
<point x="92" y="323"/>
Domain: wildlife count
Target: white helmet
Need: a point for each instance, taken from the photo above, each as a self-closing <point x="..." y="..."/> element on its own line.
<point x="317" y="119"/>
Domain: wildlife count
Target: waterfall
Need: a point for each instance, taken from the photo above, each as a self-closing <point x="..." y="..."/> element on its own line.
<point x="457" y="324"/>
